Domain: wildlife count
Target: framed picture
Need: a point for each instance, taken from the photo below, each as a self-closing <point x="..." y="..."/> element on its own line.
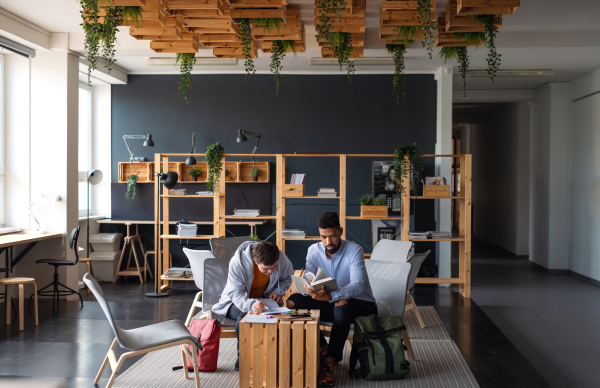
<point x="384" y="186"/>
<point x="385" y="233"/>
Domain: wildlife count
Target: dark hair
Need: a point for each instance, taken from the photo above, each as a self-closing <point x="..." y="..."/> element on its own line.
<point x="265" y="253"/>
<point x="329" y="220"/>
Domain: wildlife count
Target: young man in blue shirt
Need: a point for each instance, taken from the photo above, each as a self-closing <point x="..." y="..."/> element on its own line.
<point x="343" y="261"/>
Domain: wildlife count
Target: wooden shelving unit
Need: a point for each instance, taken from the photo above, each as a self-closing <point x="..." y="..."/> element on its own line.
<point x="464" y="202"/>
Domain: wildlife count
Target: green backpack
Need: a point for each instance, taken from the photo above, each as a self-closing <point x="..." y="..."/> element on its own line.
<point x="379" y="349"/>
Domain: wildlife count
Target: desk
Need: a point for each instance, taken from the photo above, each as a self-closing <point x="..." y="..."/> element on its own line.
<point x="8" y="241"/>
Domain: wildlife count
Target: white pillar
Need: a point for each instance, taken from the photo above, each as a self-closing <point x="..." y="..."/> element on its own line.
<point x="443" y="166"/>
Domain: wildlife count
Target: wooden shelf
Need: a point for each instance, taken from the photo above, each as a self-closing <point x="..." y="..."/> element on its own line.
<point x="421" y="197"/>
<point x="374" y="218"/>
<point x="312" y="197"/>
<point x="176" y="237"/>
<point x="439" y="280"/>
<point x="144" y="171"/>
<point x="163" y="277"/>
<point x="187" y="196"/>
<point x="307" y="238"/>
<point x="436" y="239"/>
<point x="250" y="218"/>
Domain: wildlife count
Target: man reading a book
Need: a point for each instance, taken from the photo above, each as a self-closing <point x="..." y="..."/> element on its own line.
<point x="257" y="270"/>
<point x="343" y="261"/>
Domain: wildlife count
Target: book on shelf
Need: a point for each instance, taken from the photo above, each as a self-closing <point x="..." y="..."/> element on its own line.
<point x="297" y="179"/>
<point x="326" y="193"/>
<point x="317" y="281"/>
<point x="178" y="272"/>
<point x="429" y="235"/>
<point x="246" y="212"/>
<point x="177" y="192"/>
<point x="186" y="230"/>
<point x="204" y="193"/>
<point x="293" y="233"/>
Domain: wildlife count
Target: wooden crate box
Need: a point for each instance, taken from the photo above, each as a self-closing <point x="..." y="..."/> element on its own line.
<point x="246" y="167"/>
<point x="144" y="171"/>
<point x="374" y="211"/>
<point x="293" y="191"/>
<point x="436" y="191"/>
<point x="233" y="171"/>
<point x="185" y="172"/>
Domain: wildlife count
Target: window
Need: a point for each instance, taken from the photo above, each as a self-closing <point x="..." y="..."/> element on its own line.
<point x="2" y="167"/>
<point x="85" y="147"/>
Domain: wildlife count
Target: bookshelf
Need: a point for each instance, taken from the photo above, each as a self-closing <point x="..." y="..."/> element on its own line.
<point x="463" y="201"/>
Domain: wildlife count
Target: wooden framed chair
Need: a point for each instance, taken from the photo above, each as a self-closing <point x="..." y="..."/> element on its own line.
<point x="416" y="261"/>
<point x="215" y="279"/>
<point x="196" y="259"/>
<point x="143" y="339"/>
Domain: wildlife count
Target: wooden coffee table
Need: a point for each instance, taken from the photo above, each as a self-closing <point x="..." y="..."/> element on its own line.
<point x="280" y="355"/>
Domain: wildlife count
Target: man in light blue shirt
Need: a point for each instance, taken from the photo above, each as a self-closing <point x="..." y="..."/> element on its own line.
<point x="343" y="261"/>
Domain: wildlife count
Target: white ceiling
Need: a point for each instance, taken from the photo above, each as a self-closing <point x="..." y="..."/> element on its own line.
<point x="542" y="34"/>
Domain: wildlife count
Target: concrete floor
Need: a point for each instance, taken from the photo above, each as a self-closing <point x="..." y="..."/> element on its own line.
<point x="553" y="320"/>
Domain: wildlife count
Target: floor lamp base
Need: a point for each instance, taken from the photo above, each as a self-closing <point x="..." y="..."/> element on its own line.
<point x="157" y="294"/>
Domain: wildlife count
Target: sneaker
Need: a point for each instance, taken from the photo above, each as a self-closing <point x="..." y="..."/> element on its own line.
<point x="325" y="377"/>
<point x="237" y="365"/>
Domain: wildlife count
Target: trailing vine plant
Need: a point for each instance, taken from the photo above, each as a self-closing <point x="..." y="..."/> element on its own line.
<point x="188" y="60"/>
<point x="427" y="23"/>
<point x="415" y="170"/>
<point x="270" y="23"/>
<point x="341" y="46"/>
<point x="278" y="50"/>
<point x="406" y="34"/>
<point x="325" y="23"/>
<point x="489" y="22"/>
<point x="460" y="53"/>
<point x="93" y="32"/>
<point x="244" y="31"/>
<point x="214" y="159"/>
<point x="112" y="20"/>
<point x="131" y="182"/>
<point x="398" y="50"/>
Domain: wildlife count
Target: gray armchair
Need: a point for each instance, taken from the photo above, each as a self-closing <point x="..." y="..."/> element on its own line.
<point x="143" y="339"/>
<point x="225" y="247"/>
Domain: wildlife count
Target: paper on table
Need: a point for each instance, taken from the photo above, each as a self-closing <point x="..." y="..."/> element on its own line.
<point x="273" y="307"/>
<point x="252" y="318"/>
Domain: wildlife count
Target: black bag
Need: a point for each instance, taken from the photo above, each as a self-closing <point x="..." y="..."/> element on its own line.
<point x="379" y="348"/>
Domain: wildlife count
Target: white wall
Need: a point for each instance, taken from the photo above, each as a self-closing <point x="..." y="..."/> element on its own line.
<point x="101" y="147"/>
<point x="584" y="177"/>
<point x="500" y="148"/>
<point x="549" y="160"/>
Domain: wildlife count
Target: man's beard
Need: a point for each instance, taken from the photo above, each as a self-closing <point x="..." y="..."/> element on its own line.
<point x="334" y="250"/>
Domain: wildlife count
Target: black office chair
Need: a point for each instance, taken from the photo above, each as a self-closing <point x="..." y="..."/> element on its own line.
<point x="55" y="292"/>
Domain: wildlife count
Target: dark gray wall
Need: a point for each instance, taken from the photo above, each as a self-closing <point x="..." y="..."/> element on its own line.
<point x="311" y="113"/>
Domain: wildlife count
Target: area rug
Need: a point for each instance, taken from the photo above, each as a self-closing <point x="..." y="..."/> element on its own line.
<point x="438" y="363"/>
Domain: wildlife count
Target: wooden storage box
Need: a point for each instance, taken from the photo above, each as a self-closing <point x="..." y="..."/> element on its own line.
<point x="374" y="211"/>
<point x="144" y="170"/>
<point x="293" y="191"/>
<point x="246" y="167"/>
<point x="185" y="173"/>
<point x="436" y="191"/>
<point x="233" y="171"/>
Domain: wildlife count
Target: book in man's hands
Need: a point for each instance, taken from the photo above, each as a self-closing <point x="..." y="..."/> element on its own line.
<point x="317" y="282"/>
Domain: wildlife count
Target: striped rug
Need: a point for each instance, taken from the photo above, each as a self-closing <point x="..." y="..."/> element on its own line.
<point x="438" y="364"/>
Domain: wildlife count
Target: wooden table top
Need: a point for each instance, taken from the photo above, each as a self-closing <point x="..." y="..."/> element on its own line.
<point x="134" y="222"/>
<point x="11" y="239"/>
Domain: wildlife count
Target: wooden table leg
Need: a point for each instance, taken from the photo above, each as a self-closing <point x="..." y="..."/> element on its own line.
<point x="35" y="303"/>
<point x="8" y="303"/>
<point x="21" y="307"/>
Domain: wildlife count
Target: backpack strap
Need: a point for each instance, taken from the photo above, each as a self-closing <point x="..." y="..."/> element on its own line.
<point x="352" y="371"/>
<point x="389" y="357"/>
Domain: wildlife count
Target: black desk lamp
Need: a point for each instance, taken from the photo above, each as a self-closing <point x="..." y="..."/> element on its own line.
<point x="190" y="161"/>
<point x="169" y="181"/>
<point x="242" y="138"/>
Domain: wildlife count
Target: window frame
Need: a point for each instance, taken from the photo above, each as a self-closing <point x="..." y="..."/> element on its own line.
<point x="82" y="175"/>
<point x="2" y="154"/>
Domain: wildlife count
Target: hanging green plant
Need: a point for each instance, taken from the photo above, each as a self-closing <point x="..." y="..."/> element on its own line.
<point x="415" y="171"/>
<point x="489" y="22"/>
<point x="398" y="50"/>
<point x="214" y="159"/>
<point x="458" y="53"/>
<point x="270" y="23"/>
<point x="341" y="46"/>
<point x="187" y="60"/>
<point x="244" y="31"/>
<point x="325" y="23"/>
<point x="112" y="20"/>
<point x="278" y="50"/>
<point x="427" y="23"/>
<point x="131" y="182"/>
<point x="406" y="34"/>
<point x="133" y="13"/>
<point x="93" y="32"/>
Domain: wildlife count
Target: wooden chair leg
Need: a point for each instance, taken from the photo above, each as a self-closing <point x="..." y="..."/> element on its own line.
<point x="106" y="360"/>
<point x="8" y="303"/>
<point x="89" y="269"/>
<point x="113" y="376"/>
<point x="188" y="321"/>
<point x="409" y="352"/>
<point x="195" y="362"/>
<point x="185" y="370"/>
<point x="120" y="262"/>
<point x="349" y="344"/>
<point x="35" y="304"/>
<point x="416" y="311"/>
<point x="21" y="307"/>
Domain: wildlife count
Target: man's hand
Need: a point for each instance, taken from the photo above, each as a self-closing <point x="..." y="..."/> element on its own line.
<point x="277" y="298"/>
<point x="318" y="295"/>
<point x="259" y="307"/>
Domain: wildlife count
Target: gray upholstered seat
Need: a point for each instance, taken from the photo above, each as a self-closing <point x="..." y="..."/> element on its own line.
<point x="225" y="247"/>
<point x="215" y="279"/>
<point x="391" y="250"/>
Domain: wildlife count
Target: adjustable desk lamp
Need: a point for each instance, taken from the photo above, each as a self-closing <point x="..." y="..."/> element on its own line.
<point x="242" y="138"/>
<point x="147" y="137"/>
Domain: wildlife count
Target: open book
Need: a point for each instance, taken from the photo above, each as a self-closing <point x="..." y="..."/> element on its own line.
<point x="317" y="281"/>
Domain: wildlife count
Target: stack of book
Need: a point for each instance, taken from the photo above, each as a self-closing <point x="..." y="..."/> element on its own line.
<point x="177" y="272"/>
<point x="177" y="192"/>
<point x="327" y="193"/>
<point x="293" y="233"/>
<point x="429" y="235"/>
<point x="246" y="212"/>
<point x="187" y="230"/>
<point x="297" y="179"/>
<point x="204" y="193"/>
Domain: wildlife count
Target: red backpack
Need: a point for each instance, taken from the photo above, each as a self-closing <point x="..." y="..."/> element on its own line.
<point x="208" y="332"/>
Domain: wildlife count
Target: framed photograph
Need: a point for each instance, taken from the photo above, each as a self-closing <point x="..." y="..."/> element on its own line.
<point x="384" y="185"/>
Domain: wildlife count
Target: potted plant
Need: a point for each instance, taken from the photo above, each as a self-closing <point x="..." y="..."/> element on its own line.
<point x="131" y="182"/>
<point x="372" y="207"/>
<point x="195" y="172"/>
<point x="255" y="172"/>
